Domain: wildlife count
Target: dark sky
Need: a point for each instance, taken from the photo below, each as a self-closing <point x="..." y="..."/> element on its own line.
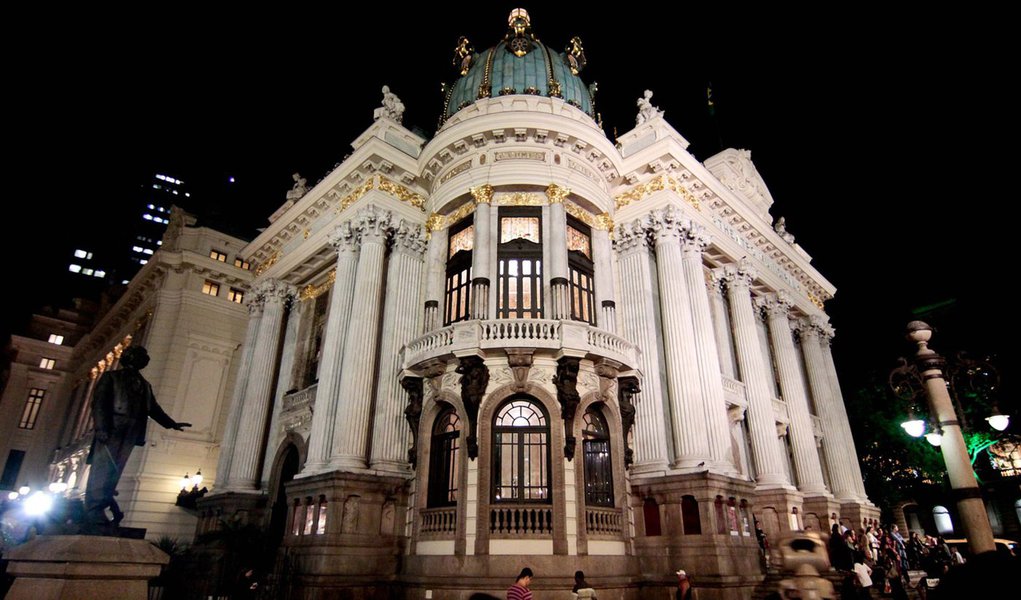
<point x="876" y="134"/>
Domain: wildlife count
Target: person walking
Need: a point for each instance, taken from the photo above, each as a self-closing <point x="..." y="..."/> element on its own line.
<point x="520" y="591"/>
<point x="684" y="590"/>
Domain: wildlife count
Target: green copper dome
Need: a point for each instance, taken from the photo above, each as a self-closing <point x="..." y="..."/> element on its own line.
<point x="520" y="64"/>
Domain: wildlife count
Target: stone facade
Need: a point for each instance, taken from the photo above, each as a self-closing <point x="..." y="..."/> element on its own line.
<point x="520" y="344"/>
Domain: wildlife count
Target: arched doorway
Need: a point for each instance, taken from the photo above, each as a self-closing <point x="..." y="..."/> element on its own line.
<point x="289" y="464"/>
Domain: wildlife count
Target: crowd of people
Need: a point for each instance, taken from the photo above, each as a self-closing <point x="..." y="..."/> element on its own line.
<point x="878" y="559"/>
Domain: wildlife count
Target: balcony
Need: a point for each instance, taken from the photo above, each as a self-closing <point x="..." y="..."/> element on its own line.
<point x="439" y="523"/>
<point x="604" y="522"/>
<point x="572" y="337"/>
<point x="297" y="409"/>
<point x="521" y="521"/>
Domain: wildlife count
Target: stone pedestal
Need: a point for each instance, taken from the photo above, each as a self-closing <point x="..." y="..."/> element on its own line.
<point x="81" y="567"/>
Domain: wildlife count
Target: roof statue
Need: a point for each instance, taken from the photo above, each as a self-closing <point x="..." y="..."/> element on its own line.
<point x="464" y="55"/>
<point x="392" y="108"/>
<point x="646" y="111"/>
<point x="299" y="190"/>
<point x="781" y="228"/>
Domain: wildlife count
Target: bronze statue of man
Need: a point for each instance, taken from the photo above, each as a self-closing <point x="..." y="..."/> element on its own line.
<point x="122" y="403"/>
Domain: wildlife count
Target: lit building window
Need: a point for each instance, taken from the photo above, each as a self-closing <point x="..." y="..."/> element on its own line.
<point x="47" y="363"/>
<point x="136" y="249"/>
<point x="147" y="217"/>
<point x="80" y="254"/>
<point x="521" y="459"/>
<point x="147" y="251"/>
<point x="443" y="462"/>
<point x="519" y="265"/>
<point x="152" y="207"/>
<point x="235" y="295"/>
<point x="142" y="261"/>
<point x="242" y="264"/>
<point x="100" y="274"/>
<point x="217" y="255"/>
<point x="580" y="275"/>
<point x="56" y="339"/>
<point x="75" y="268"/>
<point x="598" y="465"/>
<point x="31" y="411"/>
<point x="211" y="287"/>
<point x="87" y="271"/>
<point x="459" y="272"/>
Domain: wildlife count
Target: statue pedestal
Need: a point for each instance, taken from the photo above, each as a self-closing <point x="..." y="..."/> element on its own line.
<point x="80" y="567"/>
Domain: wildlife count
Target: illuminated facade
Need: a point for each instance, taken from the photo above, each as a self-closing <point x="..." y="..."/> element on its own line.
<point x="520" y="344"/>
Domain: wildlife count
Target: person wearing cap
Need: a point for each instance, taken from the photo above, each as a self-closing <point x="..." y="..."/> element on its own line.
<point x="520" y="591"/>
<point x="683" y="586"/>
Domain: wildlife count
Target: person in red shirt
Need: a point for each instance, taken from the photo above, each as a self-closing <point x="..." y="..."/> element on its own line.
<point x="520" y="591"/>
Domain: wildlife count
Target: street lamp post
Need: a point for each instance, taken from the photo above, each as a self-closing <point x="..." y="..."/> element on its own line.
<point x="965" y="488"/>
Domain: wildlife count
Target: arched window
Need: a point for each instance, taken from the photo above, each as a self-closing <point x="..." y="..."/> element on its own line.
<point x="690" y="518"/>
<point x="521" y="459"/>
<point x="582" y="280"/>
<point x="519" y="268"/>
<point x="443" y="459"/>
<point x="459" y="272"/>
<point x="598" y="466"/>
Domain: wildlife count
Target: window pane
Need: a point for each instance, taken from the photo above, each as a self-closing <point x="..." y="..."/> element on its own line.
<point x="512" y="228"/>
<point x="578" y="241"/>
<point x="462" y="240"/>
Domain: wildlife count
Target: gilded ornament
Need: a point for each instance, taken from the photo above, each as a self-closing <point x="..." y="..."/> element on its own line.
<point x="556" y="193"/>
<point x="521" y="199"/>
<point x="310" y="292"/>
<point x="272" y="260"/>
<point x="657" y="184"/>
<point x="483" y="194"/>
<point x="354" y="196"/>
<point x="401" y="193"/>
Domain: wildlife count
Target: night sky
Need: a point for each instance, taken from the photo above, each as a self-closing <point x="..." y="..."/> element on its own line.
<point x="876" y="134"/>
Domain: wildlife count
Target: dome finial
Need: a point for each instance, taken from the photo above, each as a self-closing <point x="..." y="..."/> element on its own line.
<point x="519" y="36"/>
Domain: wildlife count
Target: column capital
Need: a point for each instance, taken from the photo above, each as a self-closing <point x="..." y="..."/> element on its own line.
<point x="255" y="304"/>
<point x="776" y="305"/>
<point x="482" y="194"/>
<point x="668" y="224"/>
<point x="556" y="194"/>
<point x="738" y="275"/>
<point x="344" y="238"/>
<point x="695" y="240"/>
<point x="408" y="239"/>
<point x="631" y="237"/>
<point x="274" y="290"/>
<point x="373" y="224"/>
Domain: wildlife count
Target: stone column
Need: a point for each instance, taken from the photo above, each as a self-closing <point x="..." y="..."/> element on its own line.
<point x="607" y="309"/>
<point x="255" y="306"/>
<point x="435" y="279"/>
<point x="836" y="447"/>
<point x="483" y="196"/>
<point x="707" y="355"/>
<point x="806" y="456"/>
<point x="769" y="470"/>
<point x="251" y="432"/>
<point x="848" y="454"/>
<point x="721" y="320"/>
<point x="400" y="325"/>
<point x="352" y="422"/>
<point x="687" y="404"/>
<point x="320" y="443"/>
<point x="638" y="320"/>
<point x="560" y="289"/>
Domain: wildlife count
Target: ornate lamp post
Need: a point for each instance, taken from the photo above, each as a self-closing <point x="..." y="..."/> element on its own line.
<point x="929" y="368"/>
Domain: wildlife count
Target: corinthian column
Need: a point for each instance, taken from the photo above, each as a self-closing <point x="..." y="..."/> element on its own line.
<point x="687" y="406"/>
<point x="345" y="239"/>
<point x="806" y="457"/>
<point x="769" y="469"/>
<point x="251" y="432"/>
<point x="695" y="241"/>
<point x="352" y="422"/>
<point x="638" y="320"/>
<point x="835" y="446"/>
<point x="721" y="320"/>
<point x="849" y="454"/>
<point x="435" y="278"/>
<point x="605" y="305"/>
<point x="400" y="324"/>
<point x="483" y="196"/>
<point x="560" y="288"/>
<point x="255" y="305"/>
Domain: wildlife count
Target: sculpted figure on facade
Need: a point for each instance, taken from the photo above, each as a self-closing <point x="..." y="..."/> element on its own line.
<point x="781" y="228"/>
<point x="474" y="381"/>
<point x="566" y="382"/>
<point x="464" y="54"/>
<point x="646" y="111"/>
<point x="299" y="190"/>
<point x="413" y="413"/>
<point x="392" y="108"/>
<point x="627" y="389"/>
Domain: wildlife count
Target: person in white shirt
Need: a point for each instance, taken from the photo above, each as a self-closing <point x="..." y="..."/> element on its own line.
<point x="863" y="573"/>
